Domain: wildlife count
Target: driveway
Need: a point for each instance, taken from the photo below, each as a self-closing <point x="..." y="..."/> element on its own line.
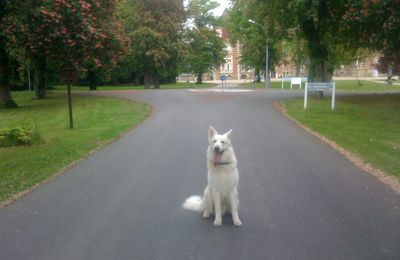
<point x="299" y="198"/>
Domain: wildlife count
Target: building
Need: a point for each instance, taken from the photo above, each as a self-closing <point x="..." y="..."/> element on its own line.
<point x="360" y="68"/>
<point x="231" y="68"/>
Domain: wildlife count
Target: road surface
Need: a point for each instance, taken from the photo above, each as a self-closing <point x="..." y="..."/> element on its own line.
<point x="299" y="199"/>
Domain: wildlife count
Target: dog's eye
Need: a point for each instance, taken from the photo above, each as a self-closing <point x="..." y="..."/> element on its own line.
<point x="222" y="142"/>
<point x="214" y="141"/>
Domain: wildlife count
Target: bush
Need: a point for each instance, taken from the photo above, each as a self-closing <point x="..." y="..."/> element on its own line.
<point x="18" y="136"/>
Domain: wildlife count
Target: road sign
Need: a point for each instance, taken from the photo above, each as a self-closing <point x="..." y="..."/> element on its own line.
<point x="69" y="75"/>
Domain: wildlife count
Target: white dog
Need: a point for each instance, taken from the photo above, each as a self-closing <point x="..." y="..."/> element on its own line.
<point x="221" y="193"/>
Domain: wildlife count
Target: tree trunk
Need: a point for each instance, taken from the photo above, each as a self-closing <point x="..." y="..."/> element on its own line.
<point x="147" y="81"/>
<point x="389" y="73"/>
<point x="156" y="81"/>
<point x="199" y="79"/>
<point x="136" y="79"/>
<point x="319" y="70"/>
<point x="92" y="79"/>
<point x="298" y="66"/>
<point x="5" y="92"/>
<point x="257" y="78"/>
<point x="41" y="86"/>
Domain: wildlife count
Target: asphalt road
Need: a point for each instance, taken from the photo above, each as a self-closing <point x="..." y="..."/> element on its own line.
<point x="299" y="198"/>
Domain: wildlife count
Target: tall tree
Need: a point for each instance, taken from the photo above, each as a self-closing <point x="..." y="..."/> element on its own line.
<point x="205" y="49"/>
<point x="154" y="31"/>
<point x="255" y="35"/>
<point x="106" y="46"/>
<point x="68" y="31"/>
<point x="317" y="25"/>
<point x="11" y="25"/>
<point x="374" y="24"/>
<point x="317" y="22"/>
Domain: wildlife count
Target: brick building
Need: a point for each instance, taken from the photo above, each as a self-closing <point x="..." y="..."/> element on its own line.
<point x="232" y="67"/>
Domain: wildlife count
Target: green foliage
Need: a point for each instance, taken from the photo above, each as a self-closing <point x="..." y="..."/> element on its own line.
<point x="252" y="36"/>
<point x="10" y="29"/>
<point x="154" y="32"/>
<point x="373" y="24"/>
<point x="330" y="33"/>
<point x="205" y="49"/>
<point x="18" y="136"/>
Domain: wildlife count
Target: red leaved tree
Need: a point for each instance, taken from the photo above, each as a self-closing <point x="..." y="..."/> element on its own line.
<point x="69" y="31"/>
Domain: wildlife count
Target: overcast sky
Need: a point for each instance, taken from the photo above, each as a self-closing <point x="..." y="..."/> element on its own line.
<point x="222" y="5"/>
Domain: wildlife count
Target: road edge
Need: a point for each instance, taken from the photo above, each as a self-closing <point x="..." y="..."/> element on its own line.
<point x="16" y="197"/>
<point x="360" y="163"/>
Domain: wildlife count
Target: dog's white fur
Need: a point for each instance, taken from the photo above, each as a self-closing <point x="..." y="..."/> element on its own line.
<point x="221" y="193"/>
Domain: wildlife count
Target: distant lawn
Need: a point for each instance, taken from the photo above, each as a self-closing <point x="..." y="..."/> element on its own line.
<point x="97" y="121"/>
<point x="368" y="126"/>
<point x="179" y="85"/>
<point x="343" y="85"/>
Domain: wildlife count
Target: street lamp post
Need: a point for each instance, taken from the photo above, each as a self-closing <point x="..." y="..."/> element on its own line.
<point x="266" y="76"/>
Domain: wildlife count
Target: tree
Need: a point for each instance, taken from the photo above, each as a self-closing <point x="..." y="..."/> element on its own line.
<point x="205" y="49"/>
<point x="68" y="31"/>
<point x="388" y="66"/>
<point x="107" y="44"/>
<point x="374" y="24"/>
<point x="317" y="22"/>
<point x="306" y="27"/>
<point x="154" y="32"/>
<point x="254" y="36"/>
<point x="11" y="25"/>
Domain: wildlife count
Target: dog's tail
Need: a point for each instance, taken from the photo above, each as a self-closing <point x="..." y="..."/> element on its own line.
<point x="194" y="203"/>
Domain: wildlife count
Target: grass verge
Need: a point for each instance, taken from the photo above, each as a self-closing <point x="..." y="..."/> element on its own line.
<point x="179" y="85"/>
<point x="97" y="121"/>
<point x="367" y="126"/>
<point x="342" y="85"/>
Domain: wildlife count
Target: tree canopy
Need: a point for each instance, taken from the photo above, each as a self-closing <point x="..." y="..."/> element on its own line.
<point x="150" y="41"/>
<point x="205" y="49"/>
<point x="330" y="30"/>
<point x="154" y="30"/>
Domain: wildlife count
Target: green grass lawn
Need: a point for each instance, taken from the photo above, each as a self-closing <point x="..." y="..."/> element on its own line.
<point x="96" y="120"/>
<point x="179" y="85"/>
<point x="368" y="126"/>
<point x="342" y="85"/>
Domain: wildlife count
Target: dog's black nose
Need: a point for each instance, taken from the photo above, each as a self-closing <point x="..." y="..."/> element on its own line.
<point x="216" y="148"/>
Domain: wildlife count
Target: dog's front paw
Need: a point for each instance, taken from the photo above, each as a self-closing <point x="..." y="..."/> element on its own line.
<point x="217" y="222"/>
<point x="206" y="214"/>
<point x="237" y="222"/>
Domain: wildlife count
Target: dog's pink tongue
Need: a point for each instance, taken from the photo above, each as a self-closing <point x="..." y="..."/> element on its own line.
<point x="217" y="157"/>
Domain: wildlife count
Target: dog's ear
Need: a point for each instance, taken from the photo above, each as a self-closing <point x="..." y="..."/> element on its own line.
<point x="229" y="135"/>
<point x="211" y="133"/>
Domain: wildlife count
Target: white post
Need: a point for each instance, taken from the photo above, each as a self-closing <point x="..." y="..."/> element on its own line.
<point x="333" y="95"/>
<point x="305" y="96"/>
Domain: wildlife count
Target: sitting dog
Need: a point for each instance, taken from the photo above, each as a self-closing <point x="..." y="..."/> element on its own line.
<point x="221" y="193"/>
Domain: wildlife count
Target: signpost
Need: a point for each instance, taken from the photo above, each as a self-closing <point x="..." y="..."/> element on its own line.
<point x="223" y="78"/>
<point x="69" y="75"/>
<point x="319" y="87"/>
